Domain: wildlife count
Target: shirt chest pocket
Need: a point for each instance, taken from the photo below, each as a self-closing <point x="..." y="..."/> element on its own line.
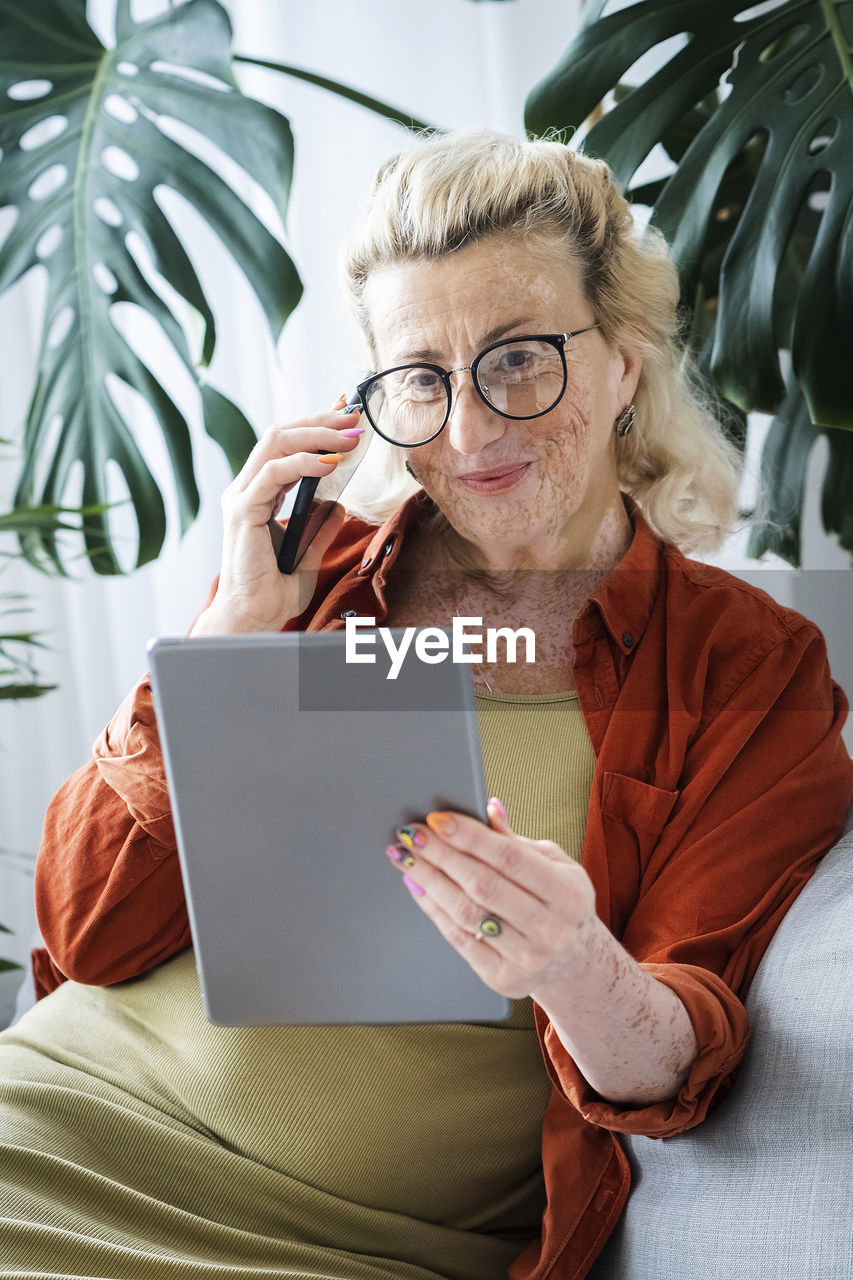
<point x="633" y="815"/>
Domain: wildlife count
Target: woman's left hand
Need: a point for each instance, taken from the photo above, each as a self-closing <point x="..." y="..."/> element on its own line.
<point x="462" y="873"/>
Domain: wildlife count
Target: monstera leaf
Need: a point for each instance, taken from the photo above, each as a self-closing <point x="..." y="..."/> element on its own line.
<point x="789" y="442"/>
<point x="755" y="107"/>
<point x="88" y="137"/>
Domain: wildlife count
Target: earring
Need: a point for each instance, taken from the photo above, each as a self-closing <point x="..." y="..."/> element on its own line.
<point x="624" y="422"/>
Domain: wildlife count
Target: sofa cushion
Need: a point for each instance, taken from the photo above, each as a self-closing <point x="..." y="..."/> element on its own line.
<point x="764" y="1187"/>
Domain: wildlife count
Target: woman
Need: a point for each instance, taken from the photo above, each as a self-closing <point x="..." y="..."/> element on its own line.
<point x="672" y="766"/>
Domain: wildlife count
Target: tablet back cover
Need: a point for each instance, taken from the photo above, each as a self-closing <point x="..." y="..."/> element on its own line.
<point x="289" y="770"/>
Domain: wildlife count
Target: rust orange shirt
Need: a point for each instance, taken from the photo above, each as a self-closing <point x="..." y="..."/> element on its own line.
<point x="721" y="778"/>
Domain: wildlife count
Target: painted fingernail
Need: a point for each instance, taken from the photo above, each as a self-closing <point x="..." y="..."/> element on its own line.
<point x="411" y="837"/>
<point x="444" y="824"/>
<point x="413" y="887"/>
<point x="356" y="431"/>
<point x="401" y="856"/>
<point x="494" y="803"/>
<point x="331" y="457"/>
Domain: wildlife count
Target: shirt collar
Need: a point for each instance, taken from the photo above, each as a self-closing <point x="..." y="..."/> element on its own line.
<point x="626" y="597"/>
<point x="384" y="547"/>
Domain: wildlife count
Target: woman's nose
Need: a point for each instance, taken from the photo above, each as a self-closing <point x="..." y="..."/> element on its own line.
<point x="472" y="425"/>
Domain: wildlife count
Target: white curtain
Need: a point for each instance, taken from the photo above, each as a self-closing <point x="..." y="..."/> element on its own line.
<point x="449" y="62"/>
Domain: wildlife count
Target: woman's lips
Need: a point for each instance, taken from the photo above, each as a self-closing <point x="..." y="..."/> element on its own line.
<point x="496" y="480"/>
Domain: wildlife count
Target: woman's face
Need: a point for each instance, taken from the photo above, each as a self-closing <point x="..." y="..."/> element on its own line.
<point x="537" y="493"/>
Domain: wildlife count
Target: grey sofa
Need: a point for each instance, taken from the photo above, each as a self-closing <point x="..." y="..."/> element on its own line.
<point x="763" y="1189"/>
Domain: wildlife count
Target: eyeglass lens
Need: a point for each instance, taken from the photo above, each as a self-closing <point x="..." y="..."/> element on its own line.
<point x="518" y="379"/>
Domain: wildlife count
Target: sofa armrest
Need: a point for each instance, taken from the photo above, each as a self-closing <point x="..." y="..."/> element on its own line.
<point x="763" y="1187"/>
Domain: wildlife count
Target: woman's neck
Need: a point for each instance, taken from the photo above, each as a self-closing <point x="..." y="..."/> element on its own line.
<point x="431" y="587"/>
<point x="593" y="541"/>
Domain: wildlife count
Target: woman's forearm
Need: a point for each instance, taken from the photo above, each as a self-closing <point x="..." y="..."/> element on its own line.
<point x="629" y="1035"/>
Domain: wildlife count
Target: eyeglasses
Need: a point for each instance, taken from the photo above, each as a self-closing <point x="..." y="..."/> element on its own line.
<point x="518" y="378"/>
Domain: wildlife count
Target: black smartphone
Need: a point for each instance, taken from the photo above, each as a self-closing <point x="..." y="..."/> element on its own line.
<point x="315" y="499"/>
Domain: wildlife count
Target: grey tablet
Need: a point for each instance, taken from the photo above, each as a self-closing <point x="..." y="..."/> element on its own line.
<point x="289" y="768"/>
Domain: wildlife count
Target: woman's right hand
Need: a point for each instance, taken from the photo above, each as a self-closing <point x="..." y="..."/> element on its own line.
<point x="253" y="594"/>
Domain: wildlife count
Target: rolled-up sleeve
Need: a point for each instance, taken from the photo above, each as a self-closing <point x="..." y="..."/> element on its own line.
<point x="109" y="895"/>
<point x="722" y="1032"/>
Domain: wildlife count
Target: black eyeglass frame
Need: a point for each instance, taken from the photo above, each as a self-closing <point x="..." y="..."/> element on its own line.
<point x="556" y="340"/>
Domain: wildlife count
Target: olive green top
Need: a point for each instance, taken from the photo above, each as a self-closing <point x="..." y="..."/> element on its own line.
<point x="539" y="761"/>
<point x="143" y="1139"/>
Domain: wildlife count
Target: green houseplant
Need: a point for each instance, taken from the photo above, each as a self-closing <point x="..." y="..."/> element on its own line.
<point x="755" y="112"/>
<point x="87" y="135"/>
<point x="82" y="154"/>
<point x="754" y="109"/>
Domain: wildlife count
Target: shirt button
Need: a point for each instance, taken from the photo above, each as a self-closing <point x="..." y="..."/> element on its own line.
<point x="350" y="613"/>
<point x="627" y="639"/>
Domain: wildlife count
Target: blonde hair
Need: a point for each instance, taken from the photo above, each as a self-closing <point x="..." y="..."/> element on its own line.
<point x="457" y="188"/>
